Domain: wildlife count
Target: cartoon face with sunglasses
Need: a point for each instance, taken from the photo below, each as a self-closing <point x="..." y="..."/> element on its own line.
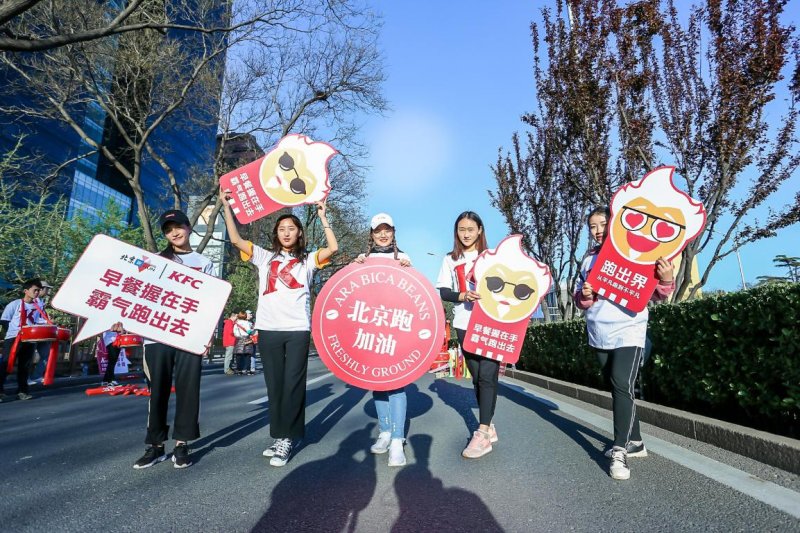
<point x="295" y="172"/>
<point x="510" y="283"/>
<point x="653" y="219"/>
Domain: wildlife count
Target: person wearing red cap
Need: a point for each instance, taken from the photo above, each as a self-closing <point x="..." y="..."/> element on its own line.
<point x="162" y="363"/>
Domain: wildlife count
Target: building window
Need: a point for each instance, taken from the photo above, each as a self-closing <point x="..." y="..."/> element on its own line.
<point x="90" y="198"/>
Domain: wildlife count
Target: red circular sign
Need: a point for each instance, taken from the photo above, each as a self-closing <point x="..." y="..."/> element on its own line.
<point x="378" y="325"/>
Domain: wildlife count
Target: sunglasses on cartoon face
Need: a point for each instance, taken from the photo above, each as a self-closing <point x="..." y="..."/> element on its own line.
<point x="286" y="162"/>
<point x="662" y="230"/>
<point x="521" y="291"/>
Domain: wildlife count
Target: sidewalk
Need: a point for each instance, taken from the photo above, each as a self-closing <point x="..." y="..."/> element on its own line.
<point x="774" y="450"/>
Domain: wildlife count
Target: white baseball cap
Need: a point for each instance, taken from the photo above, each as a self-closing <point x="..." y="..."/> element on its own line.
<point x="381" y="218"/>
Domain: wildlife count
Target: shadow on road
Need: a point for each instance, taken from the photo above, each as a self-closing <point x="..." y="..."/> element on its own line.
<point x="330" y="415"/>
<point x="546" y="409"/>
<point x="231" y="434"/>
<point x="425" y="504"/>
<point x="325" y="495"/>
<point x="461" y="399"/>
<point x="419" y="403"/>
<point x="247" y="426"/>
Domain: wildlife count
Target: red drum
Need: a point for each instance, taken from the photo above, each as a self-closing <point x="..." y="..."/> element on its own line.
<point x="64" y="334"/>
<point x="38" y="333"/>
<point x="128" y="340"/>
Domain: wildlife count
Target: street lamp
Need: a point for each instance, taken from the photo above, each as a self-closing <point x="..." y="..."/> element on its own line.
<point x="741" y="270"/>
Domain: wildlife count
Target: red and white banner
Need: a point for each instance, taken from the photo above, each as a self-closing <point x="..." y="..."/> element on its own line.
<point x="378" y="325"/>
<point x="650" y="218"/>
<point x="511" y="285"/>
<point x="152" y="296"/>
<point x="293" y="173"/>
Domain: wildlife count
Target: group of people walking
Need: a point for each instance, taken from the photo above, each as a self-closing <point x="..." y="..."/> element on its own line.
<point x="282" y="328"/>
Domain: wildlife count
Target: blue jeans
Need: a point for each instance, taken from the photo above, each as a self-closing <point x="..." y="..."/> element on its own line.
<point x="391" y="407"/>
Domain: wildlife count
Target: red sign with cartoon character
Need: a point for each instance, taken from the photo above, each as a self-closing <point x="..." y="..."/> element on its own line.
<point x="295" y="172"/>
<point x="154" y="297"/>
<point x="378" y="325"/>
<point x="511" y="285"/>
<point x="650" y="218"/>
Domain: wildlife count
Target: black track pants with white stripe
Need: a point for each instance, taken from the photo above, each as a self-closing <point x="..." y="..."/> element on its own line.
<point x="620" y="368"/>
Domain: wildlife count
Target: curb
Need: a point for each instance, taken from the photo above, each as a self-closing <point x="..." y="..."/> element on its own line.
<point x="775" y="450"/>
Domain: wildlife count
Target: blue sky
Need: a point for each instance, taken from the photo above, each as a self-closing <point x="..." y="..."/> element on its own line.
<point x="458" y="82"/>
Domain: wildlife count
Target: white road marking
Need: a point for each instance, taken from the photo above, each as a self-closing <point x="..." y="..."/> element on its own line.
<point x="770" y="493"/>
<point x="264" y="399"/>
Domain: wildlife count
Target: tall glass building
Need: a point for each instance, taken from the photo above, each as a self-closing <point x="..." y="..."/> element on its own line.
<point x="91" y="183"/>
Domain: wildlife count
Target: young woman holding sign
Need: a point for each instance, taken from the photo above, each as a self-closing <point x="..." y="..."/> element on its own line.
<point x="618" y="335"/>
<point x="456" y="284"/>
<point x="390" y="405"/>
<point x="163" y="362"/>
<point x="283" y="321"/>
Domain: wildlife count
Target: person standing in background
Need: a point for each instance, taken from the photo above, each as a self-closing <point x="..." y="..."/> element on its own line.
<point x="254" y="337"/>
<point x="242" y="329"/>
<point x="17" y="314"/>
<point x="42" y="348"/>
<point x="228" y="342"/>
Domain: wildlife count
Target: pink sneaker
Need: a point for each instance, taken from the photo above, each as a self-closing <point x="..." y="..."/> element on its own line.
<point x="479" y="446"/>
<point x="492" y="434"/>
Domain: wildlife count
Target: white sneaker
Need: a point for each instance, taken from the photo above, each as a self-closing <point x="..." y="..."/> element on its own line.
<point x="618" y="468"/>
<point x="269" y="452"/>
<point x="397" y="456"/>
<point x="382" y="443"/>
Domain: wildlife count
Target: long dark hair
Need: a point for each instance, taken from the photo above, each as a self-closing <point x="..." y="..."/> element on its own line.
<point x="458" y="248"/>
<point x="601" y="210"/>
<point x="299" y="249"/>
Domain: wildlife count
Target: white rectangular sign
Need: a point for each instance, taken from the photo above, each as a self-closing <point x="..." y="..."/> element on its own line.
<point x="154" y="297"/>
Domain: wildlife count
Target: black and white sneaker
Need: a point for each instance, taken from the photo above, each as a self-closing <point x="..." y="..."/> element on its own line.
<point x="269" y="452"/>
<point x="635" y="448"/>
<point x="153" y="455"/>
<point x="283" y="449"/>
<point x="180" y="456"/>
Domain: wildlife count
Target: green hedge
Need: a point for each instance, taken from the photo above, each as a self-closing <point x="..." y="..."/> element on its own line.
<point x="734" y="357"/>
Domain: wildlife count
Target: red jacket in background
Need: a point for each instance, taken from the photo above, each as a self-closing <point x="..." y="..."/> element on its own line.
<point x="227" y="333"/>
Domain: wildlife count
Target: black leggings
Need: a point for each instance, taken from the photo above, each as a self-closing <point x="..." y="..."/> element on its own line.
<point x="284" y="356"/>
<point x="620" y="367"/>
<point x="484" y="380"/>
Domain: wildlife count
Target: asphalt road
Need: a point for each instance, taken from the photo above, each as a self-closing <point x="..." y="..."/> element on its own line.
<point x="66" y="465"/>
